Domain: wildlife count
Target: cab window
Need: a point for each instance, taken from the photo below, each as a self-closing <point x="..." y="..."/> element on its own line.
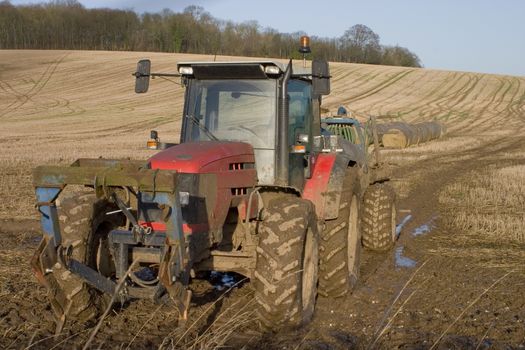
<point x="300" y="109"/>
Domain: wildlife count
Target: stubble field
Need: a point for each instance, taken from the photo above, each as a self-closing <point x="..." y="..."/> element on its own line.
<point x="454" y="280"/>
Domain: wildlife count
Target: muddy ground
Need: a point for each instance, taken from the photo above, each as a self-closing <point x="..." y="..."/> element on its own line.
<point x="437" y="289"/>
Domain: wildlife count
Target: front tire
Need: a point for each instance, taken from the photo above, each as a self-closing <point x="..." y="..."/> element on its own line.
<point x="84" y="227"/>
<point x="287" y="264"/>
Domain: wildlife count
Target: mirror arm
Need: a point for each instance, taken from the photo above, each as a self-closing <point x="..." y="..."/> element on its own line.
<point x="139" y="75"/>
<point x="165" y="75"/>
<point x="312" y="75"/>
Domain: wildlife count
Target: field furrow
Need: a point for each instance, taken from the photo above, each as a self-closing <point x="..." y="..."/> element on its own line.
<point x="466" y="189"/>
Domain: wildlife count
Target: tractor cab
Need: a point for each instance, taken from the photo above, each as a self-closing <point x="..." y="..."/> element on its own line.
<point x="271" y="106"/>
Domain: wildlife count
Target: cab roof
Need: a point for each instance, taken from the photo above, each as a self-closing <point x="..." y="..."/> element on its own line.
<point x="240" y="69"/>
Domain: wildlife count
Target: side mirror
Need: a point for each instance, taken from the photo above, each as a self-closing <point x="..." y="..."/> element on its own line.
<point x="320" y="78"/>
<point x="142" y="76"/>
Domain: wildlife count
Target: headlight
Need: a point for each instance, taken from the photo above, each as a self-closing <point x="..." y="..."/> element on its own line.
<point x="272" y="70"/>
<point x="185" y="70"/>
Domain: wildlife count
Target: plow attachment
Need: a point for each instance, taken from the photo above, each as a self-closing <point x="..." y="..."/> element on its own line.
<point x="133" y="192"/>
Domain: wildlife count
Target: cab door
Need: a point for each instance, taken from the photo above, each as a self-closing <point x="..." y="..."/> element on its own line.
<point x="299" y="130"/>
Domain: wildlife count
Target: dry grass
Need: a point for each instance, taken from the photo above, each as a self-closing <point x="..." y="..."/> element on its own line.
<point x="57" y="106"/>
<point x="489" y="205"/>
<point x="446" y="145"/>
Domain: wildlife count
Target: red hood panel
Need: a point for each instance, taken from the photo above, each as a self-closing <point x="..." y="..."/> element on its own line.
<point x="195" y="157"/>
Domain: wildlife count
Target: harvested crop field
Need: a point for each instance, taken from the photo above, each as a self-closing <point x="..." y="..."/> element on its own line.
<point x="454" y="280"/>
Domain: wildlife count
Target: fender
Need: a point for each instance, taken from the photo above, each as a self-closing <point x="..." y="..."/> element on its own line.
<point x="316" y="186"/>
<point x="323" y="189"/>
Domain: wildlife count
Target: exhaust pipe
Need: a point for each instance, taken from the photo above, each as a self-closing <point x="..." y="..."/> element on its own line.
<point x="283" y="155"/>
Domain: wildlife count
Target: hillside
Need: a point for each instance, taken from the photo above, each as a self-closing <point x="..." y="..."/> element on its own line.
<point x="452" y="281"/>
<point x="61" y="105"/>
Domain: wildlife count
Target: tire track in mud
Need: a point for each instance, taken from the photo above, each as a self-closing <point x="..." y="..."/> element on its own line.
<point x="341" y="74"/>
<point x="490" y="102"/>
<point x="379" y="104"/>
<point x="382" y="280"/>
<point x="492" y="108"/>
<point x="517" y="107"/>
<point x="460" y="95"/>
<point x="471" y="104"/>
<point x="442" y="103"/>
<point x="54" y="102"/>
<point x="38" y="86"/>
<point x="493" y="95"/>
<point x="500" y="106"/>
<point x="6" y="87"/>
<point x="454" y="80"/>
<point x="379" y="87"/>
<point x="359" y="82"/>
<point x="356" y="84"/>
<point x="497" y="99"/>
<point x="424" y="105"/>
<point x="430" y="98"/>
<point x="369" y="91"/>
<point x="516" y="100"/>
<point x="497" y="116"/>
<point x="94" y="134"/>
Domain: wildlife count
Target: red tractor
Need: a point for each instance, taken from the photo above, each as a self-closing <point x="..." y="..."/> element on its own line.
<point x="256" y="186"/>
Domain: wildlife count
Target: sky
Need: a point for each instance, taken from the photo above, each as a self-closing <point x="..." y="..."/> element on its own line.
<point x="486" y="36"/>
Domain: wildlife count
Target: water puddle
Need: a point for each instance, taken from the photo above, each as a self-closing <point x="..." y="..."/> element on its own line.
<point x="403" y="261"/>
<point x="402" y="224"/>
<point x="146" y="274"/>
<point x="425" y="228"/>
<point x="421" y="230"/>
<point x="222" y="280"/>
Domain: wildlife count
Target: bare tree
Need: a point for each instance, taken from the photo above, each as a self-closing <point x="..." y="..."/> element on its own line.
<point x="66" y="24"/>
<point x="361" y="44"/>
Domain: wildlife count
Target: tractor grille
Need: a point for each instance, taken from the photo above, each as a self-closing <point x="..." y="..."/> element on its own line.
<point x="240" y="191"/>
<point x="241" y="166"/>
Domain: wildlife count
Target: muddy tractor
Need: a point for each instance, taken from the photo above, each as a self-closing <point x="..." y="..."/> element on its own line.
<point x="258" y="185"/>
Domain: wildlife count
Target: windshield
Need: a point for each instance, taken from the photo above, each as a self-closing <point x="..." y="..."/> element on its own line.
<point x="234" y="110"/>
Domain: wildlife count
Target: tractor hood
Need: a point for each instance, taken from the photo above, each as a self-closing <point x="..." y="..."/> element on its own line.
<point x="203" y="157"/>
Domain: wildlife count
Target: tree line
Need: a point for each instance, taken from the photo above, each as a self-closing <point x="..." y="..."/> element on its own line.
<point x="67" y="24"/>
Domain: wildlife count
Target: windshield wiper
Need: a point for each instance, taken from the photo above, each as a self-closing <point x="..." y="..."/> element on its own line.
<point x="202" y="127"/>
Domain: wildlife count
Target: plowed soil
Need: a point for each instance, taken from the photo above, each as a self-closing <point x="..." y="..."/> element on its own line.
<point x="445" y="285"/>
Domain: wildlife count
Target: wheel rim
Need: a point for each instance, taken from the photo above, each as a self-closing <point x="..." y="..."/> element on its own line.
<point x="309" y="274"/>
<point x="352" y="236"/>
<point x="104" y="262"/>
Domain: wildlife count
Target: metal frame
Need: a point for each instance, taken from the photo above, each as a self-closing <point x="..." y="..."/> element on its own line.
<point x="156" y="186"/>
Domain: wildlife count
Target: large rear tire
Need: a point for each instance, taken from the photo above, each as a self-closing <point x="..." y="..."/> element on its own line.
<point x="84" y="227"/>
<point x="285" y="277"/>
<point x="340" y="243"/>
<point x="379" y="219"/>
